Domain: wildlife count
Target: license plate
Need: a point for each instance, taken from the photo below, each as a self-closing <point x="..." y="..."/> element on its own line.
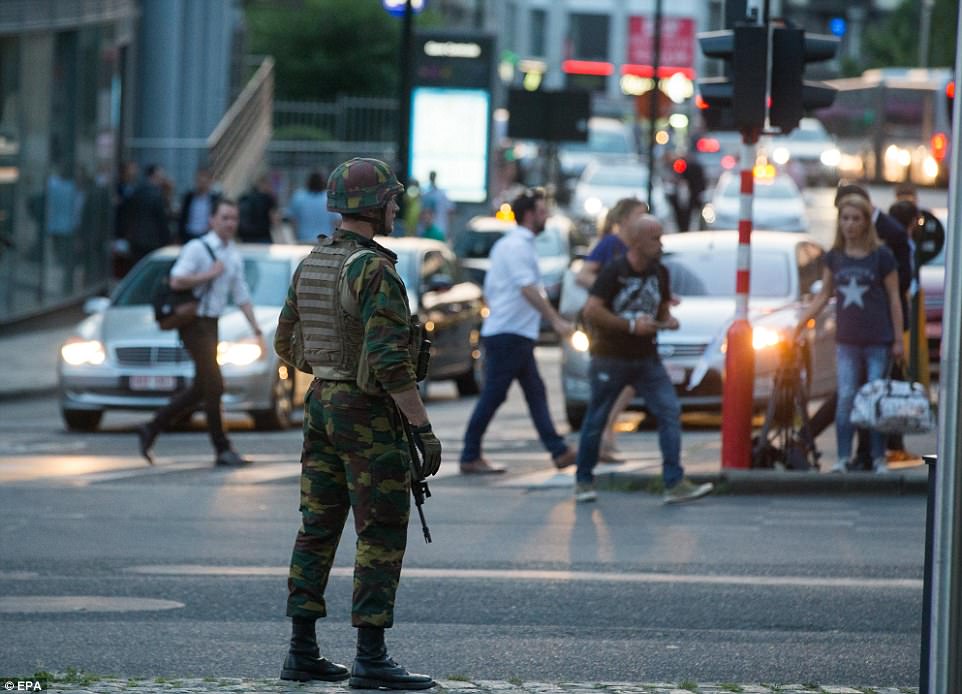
<point x="153" y="382"/>
<point x="676" y="374"/>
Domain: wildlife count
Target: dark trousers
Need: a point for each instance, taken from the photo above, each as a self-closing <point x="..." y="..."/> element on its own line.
<point x="200" y="339"/>
<point x="508" y="357"/>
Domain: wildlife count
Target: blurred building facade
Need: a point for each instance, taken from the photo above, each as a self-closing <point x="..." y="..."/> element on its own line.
<point x="85" y="86"/>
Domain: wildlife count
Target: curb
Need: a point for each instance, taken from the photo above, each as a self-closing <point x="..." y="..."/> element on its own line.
<point x="747" y="482"/>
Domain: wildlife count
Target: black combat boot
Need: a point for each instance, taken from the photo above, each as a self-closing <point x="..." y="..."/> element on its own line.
<point x="304" y="661"/>
<point x="375" y="669"/>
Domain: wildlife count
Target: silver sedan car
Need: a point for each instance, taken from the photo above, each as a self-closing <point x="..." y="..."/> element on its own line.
<point x="118" y="359"/>
<point x="786" y="271"/>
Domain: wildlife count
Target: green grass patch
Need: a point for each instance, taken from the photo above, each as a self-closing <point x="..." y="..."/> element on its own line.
<point x="516" y="681"/>
<point x="458" y="678"/>
<point x="729" y="687"/>
<point x="689" y="685"/>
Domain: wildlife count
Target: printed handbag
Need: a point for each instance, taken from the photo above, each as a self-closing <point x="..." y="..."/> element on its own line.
<point x="175" y="308"/>
<point x="893" y="407"/>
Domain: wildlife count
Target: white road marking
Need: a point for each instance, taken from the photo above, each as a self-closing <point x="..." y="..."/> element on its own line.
<point x="864" y="582"/>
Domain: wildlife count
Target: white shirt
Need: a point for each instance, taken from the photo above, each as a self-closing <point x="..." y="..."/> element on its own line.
<point x="214" y="295"/>
<point x="514" y="264"/>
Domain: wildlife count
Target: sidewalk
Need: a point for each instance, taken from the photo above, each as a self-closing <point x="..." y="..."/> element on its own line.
<point x="160" y="685"/>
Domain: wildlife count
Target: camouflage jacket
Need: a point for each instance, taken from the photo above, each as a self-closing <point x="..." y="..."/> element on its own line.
<point x="383" y="307"/>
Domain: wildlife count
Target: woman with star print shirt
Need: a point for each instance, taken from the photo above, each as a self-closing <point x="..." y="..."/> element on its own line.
<point x="863" y="275"/>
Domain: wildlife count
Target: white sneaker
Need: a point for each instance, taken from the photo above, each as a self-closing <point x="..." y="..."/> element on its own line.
<point x="881" y="466"/>
<point x="841" y="465"/>
<point x="585" y="492"/>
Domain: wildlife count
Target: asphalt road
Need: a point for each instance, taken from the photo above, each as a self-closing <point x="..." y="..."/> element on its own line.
<point x="519" y="582"/>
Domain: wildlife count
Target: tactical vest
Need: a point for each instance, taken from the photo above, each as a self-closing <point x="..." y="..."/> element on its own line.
<point x="333" y="336"/>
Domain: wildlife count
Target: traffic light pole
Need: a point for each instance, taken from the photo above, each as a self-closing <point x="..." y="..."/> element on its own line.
<point x="737" y="389"/>
<point x="945" y="664"/>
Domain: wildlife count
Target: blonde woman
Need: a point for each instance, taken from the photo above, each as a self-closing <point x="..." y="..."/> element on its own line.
<point x="862" y="273"/>
<point x="611" y="245"/>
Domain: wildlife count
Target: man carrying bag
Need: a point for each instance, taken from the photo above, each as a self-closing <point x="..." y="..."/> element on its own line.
<point x="225" y="275"/>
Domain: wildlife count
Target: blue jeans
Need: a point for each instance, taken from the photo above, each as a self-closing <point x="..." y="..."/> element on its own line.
<point x="609" y="375"/>
<point x="508" y="357"/>
<point x="856" y="365"/>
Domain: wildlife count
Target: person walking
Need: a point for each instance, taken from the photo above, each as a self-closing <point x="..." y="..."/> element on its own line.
<point x="862" y="273"/>
<point x="196" y="207"/>
<point x="308" y="210"/>
<point x="628" y="304"/>
<point x="347" y="320"/>
<point x="213" y="268"/>
<point x="517" y="302"/>
<point x="610" y="246"/>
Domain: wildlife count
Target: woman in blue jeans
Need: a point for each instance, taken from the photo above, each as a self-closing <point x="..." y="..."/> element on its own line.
<point x="862" y="274"/>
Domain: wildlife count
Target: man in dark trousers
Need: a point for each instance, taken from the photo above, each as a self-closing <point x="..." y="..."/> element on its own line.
<point x="211" y="266"/>
<point x="893" y="235"/>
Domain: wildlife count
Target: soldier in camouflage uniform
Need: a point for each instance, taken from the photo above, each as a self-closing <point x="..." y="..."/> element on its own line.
<point x="347" y="321"/>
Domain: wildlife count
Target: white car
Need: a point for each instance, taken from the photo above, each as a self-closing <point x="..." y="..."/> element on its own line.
<point x="777" y="205"/>
<point x="604" y="183"/>
<point x="118" y="359"/>
<point x="808" y="152"/>
<point x="785" y="272"/>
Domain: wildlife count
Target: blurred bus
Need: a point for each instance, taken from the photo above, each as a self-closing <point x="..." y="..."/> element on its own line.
<point x="893" y="124"/>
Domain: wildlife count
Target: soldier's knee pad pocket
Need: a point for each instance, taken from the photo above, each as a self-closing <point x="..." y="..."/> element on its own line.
<point x="390" y="488"/>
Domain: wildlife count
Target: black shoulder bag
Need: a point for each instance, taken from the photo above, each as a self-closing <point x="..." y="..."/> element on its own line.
<point x="175" y="308"/>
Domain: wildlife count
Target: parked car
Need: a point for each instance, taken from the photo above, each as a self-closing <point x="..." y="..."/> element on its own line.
<point x="717" y="152"/>
<point x="809" y="150"/>
<point x="118" y="359"/>
<point x="449" y="306"/>
<point x="778" y="204"/>
<point x="556" y="246"/>
<point x="785" y="272"/>
<point x="602" y="184"/>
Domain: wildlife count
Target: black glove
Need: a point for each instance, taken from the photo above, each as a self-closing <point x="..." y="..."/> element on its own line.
<point x="430" y="449"/>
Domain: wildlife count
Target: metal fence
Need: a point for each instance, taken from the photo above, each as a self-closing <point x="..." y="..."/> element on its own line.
<point x="320" y="134"/>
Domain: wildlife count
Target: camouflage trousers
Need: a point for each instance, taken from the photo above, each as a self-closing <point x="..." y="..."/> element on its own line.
<point x="355" y="457"/>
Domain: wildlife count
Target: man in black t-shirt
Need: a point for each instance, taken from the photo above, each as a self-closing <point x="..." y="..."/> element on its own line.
<point x="627" y="306"/>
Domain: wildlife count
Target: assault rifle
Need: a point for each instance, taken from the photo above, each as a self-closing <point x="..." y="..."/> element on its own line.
<point x="419" y="487"/>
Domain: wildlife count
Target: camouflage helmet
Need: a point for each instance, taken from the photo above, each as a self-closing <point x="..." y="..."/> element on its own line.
<point x="361" y="184"/>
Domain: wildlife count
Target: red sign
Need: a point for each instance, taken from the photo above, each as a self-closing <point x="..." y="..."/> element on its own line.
<point x="677" y="41"/>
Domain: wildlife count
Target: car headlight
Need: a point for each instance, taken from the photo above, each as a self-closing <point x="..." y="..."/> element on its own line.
<point x="579" y="341"/>
<point x="765" y="338"/>
<point x="781" y="155"/>
<point x="593" y="206"/>
<point x="240" y="353"/>
<point x="830" y="157"/>
<point x="77" y="352"/>
<point x="708" y="213"/>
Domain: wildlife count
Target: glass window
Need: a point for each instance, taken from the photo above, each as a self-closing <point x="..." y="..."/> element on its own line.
<point x="539" y="24"/>
<point x="268" y="281"/>
<point x="588" y="36"/>
<point x="711" y="272"/>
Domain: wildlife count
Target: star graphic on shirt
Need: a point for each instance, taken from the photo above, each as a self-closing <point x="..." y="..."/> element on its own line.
<point x="853" y="293"/>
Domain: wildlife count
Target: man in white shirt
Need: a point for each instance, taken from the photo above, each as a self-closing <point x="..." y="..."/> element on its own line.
<point x="517" y="302"/>
<point x="214" y="269"/>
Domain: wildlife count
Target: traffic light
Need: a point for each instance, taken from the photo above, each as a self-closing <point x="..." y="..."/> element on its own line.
<point x="791" y="95"/>
<point x="742" y="90"/>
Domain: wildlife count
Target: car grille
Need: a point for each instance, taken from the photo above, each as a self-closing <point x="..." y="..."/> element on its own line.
<point x="146" y="356"/>
<point x="668" y="350"/>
